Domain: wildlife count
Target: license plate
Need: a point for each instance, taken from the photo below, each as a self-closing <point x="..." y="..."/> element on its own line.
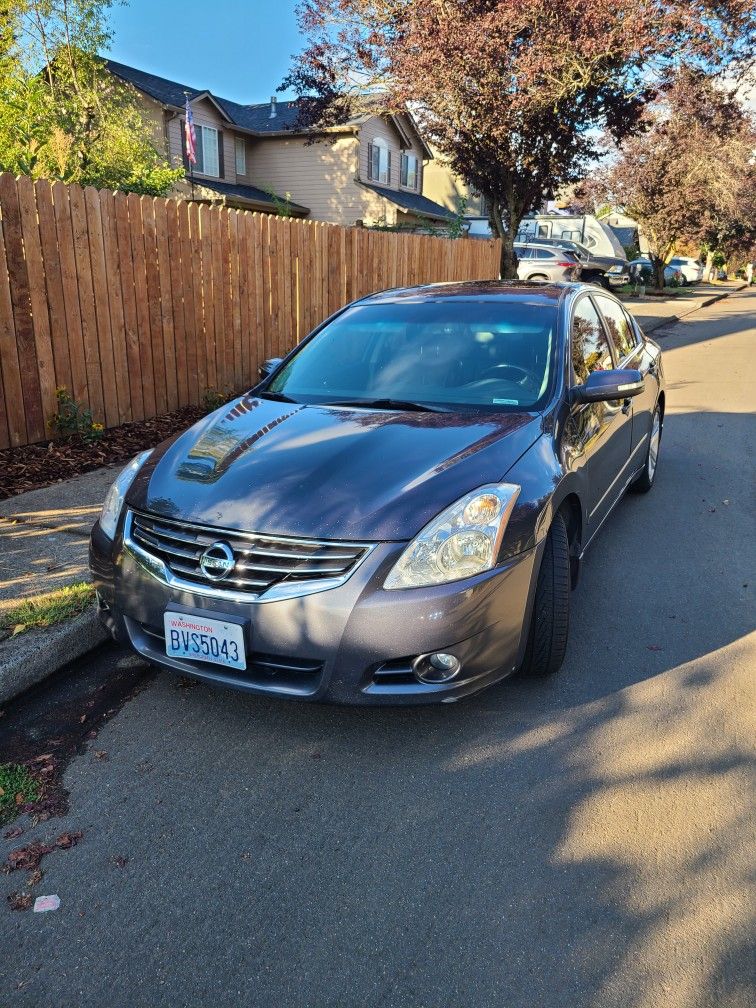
<point x="201" y="638"/>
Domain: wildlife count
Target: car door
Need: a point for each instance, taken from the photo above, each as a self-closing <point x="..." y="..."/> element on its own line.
<point x="523" y="253"/>
<point x="629" y="353"/>
<point x="597" y="435"/>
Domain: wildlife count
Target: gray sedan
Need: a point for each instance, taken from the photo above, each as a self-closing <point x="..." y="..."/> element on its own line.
<point x="397" y="511"/>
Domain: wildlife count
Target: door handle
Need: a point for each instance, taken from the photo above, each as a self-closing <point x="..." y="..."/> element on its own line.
<point x="627" y="406"/>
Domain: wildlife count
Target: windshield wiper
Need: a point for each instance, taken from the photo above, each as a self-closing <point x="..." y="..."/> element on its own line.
<point x="390" y="404"/>
<point x="278" y="396"/>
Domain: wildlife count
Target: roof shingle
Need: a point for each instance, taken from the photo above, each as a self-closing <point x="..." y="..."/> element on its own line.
<point x="251" y="193"/>
<point x="255" y="118"/>
<point x="413" y="202"/>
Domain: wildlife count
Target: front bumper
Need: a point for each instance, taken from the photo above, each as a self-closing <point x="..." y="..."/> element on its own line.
<point x="350" y="644"/>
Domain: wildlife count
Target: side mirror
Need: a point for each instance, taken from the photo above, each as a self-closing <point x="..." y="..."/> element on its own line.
<point x="268" y="367"/>
<point x="605" y="386"/>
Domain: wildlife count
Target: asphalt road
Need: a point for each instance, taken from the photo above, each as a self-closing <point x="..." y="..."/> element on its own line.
<point x="577" y="843"/>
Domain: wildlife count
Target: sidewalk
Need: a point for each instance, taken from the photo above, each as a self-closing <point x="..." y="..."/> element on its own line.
<point x="654" y="312"/>
<point x="44" y="536"/>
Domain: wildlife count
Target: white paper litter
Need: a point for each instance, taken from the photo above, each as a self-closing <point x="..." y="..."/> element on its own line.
<point x="44" y="903"/>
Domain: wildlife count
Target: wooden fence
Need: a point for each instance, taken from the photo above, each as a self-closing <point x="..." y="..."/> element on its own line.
<point x="139" y="305"/>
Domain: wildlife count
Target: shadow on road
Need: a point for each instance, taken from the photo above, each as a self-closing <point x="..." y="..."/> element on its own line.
<point x="575" y="842"/>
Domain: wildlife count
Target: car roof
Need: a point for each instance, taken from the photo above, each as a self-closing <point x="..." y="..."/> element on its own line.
<point x="476" y="290"/>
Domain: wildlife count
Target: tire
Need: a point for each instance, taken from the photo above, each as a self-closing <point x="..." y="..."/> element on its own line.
<point x="549" y="624"/>
<point x="538" y="276"/>
<point x="644" y="482"/>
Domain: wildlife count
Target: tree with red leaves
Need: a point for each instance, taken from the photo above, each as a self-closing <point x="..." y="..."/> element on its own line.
<point x="511" y="93"/>
<point x="689" y="177"/>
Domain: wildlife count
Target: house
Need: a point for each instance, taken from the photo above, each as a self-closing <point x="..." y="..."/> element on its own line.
<point x="367" y="172"/>
<point x="442" y="186"/>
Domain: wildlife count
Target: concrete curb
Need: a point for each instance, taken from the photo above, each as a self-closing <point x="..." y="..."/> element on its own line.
<point x="32" y="656"/>
<point x="650" y="327"/>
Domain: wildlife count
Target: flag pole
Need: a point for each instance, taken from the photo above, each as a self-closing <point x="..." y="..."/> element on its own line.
<point x="191" y="163"/>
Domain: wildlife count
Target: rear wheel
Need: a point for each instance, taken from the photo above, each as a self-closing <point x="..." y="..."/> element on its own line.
<point x="538" y="276"/>
<point x="645" y="481"/>
<point x="549" y="624"/>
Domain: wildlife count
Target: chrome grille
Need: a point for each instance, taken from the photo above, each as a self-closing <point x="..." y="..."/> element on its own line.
<point x="260" y="561"/>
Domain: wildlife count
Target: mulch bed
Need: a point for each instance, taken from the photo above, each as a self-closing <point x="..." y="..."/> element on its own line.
<point x="40" y="465"/>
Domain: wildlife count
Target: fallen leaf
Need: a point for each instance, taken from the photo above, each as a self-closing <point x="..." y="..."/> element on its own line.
<point x="19" y="900"/>
<point x="654" y="647"/>
<point x="35" y="877"/>
<point x="119" y="860"/>
<point x="27" y="858"/>
<point x="66" y="840"/>
<point x="13" y="832"/>
<point x="101" y="754"/>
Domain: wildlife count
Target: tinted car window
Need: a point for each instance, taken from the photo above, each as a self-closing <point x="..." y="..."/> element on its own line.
<point x="541" y="253"/>
<point x="619" y="325"/>
<point x="590" y="349"/>
<point x="456" y="353"/>
<point x="523" y="252"/>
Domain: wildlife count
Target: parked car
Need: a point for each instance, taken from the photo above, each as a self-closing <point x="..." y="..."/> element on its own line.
<point x="539" y="262"/>
<point x="397" y="511"/>
<point x="642" y="269"/>
<point x="692" y="270"/>
<point x="606" y="271"/>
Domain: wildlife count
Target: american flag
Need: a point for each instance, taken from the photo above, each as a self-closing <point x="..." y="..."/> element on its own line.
<point x="190" y="136"/>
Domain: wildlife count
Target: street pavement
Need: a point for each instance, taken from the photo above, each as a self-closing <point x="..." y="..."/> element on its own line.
<point x="577" y="843"/>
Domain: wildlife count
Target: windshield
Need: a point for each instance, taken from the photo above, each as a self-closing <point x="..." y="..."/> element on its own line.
<point x="454" y="354"/>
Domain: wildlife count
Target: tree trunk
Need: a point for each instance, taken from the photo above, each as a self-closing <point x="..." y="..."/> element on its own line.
<point x="508" y="258"/>
<point x="658" y="265"/>
<point x="709" y="266"/>
<point x="509" y="261"/>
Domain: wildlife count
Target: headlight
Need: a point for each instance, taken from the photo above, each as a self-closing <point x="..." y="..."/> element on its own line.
<point x="463" y="540"/>
<point x="111" y="509"/>
<point x="615" y="269"/>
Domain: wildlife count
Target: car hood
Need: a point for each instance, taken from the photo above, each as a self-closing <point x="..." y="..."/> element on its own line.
<point x="606" y="262"/>
<point x="327" y="472"/>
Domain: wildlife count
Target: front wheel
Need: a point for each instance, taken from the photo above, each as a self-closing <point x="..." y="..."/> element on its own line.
<point x="549" y="624"/>
<point x="644" y="482"/>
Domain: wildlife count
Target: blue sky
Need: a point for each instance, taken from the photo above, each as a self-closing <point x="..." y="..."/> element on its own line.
<point x="239" y="50"/>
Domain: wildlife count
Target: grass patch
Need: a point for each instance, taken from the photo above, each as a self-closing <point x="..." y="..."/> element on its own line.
<point x="17" y="787"/>
<point x="45" y="610"/>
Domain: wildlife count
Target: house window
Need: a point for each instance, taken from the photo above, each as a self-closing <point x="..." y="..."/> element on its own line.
<point x="208" y="160"/>
<point x="379" y="161"/>
<point x="408" y="176"/>
<point x="241" y="156"/>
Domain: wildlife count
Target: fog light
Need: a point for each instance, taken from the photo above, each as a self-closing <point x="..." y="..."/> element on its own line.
<point x="438" y="667"/>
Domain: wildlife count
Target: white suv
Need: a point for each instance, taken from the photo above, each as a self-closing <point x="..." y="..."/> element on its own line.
<point x="691" y="269"/>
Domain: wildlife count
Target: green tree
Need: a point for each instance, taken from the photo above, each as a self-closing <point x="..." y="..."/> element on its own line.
<point x="62" y="115"/>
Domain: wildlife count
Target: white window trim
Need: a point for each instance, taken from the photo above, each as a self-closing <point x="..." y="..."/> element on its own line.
<point x="204" y="169"/>
<point x="406" y="156"/>
<point x="382" y="147"/>
<point x="240" y="156"/>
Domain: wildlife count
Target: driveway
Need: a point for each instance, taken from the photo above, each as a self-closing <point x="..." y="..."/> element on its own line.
<point x="576" y="843"/>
